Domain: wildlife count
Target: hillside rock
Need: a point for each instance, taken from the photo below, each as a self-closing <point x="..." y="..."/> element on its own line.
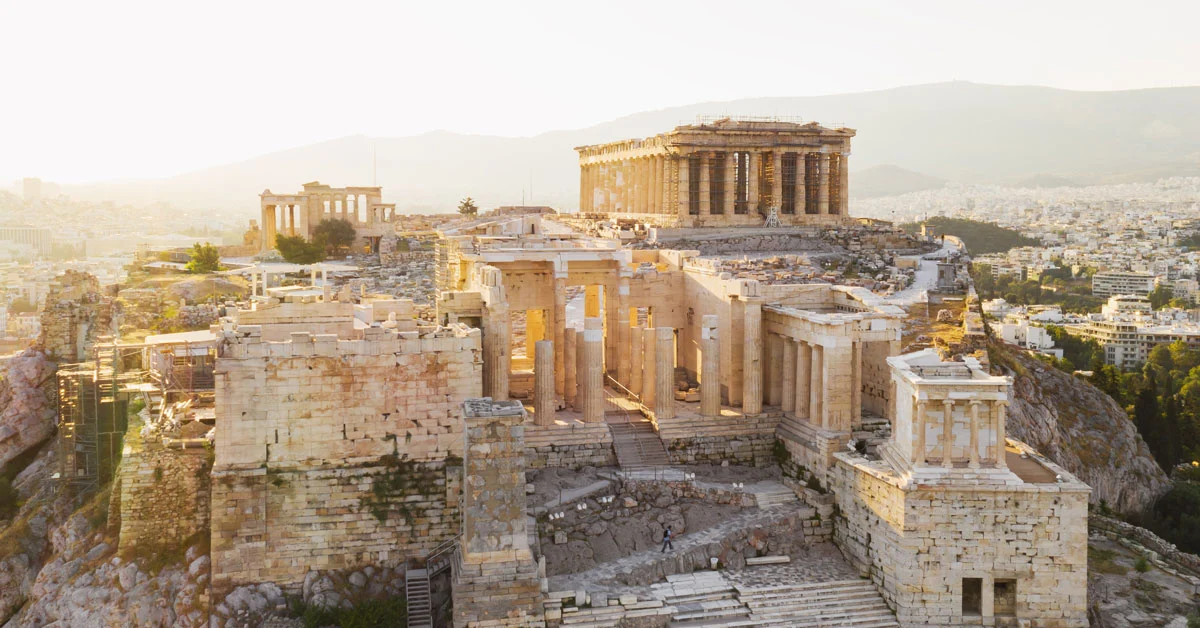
<point x="27" y="407"/>
<point x="1081" y="428"/>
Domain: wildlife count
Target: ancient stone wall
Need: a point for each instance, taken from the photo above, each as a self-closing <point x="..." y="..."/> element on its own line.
<point x="75" y="315"/>
<point x="749" y="449"/>
<point x="164" y="493"/>
<point x="920" y="546"/>
<point x="333" y="454"/>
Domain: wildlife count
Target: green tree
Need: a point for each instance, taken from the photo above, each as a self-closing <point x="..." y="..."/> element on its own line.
<point x="337" y="234"/>
<point x="1160" y="296"/>
<point x="468" y="207"/>
<point x="297" y="250"/>
<point x="205" y="258"/>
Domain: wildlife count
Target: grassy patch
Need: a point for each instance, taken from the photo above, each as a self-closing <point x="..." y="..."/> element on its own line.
<point x="365" y="614"/>
<point x="1103" y="561"/>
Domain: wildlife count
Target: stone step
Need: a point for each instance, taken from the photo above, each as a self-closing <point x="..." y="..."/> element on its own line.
<point x="768" y="560"/>
<point x="808" y="586"/>
<point x="715" y="596"/>
<point x="815" y="595"/>
<point x="810" y="608"/>
<point x="849" y="618"/>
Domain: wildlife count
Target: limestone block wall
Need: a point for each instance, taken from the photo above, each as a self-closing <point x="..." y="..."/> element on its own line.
<point x="749" y="449"/>
<point x="918" y="546"/>
<point x="877" y="384"/>
<point x="164" y="495"/>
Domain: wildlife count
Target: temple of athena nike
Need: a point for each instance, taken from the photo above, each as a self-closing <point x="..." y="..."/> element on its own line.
<point x="711" y="342"/>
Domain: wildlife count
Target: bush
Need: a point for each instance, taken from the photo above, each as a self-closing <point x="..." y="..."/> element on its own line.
<point x="1141" y="565"/>
<point x="297" y="250"/>
<point x="205" y="258"/>
<point x="365" y="614"/>
<point x="1193" y="621"/>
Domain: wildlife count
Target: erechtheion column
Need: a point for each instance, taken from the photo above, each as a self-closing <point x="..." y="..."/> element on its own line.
<point x="823" y="185"/>
<point x="649" y="367"/>
<point x="635" y="350"/>
<point x="788" y="392"/>
<point x="664" y="380"/>
<point x="571" y="359"/>
<point x="803" y="381"/>
<point x="710" y="367"/>
<point x="590" y="346"/>
<point x="752" y="359"/>
<point x="948" y="433"/>
<point x="543" y="382"/>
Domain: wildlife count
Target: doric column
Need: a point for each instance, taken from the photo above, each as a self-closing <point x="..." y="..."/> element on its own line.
<point x="268" y="227"/>
<point x="973" y="453"/>
<point x="497" y="350"/>
<point x="591" y="387"/>
<point x="753" y="164"/>
<point x="705" y="195"/>
<point x="639" y="186"/>
<point x="649" y="367"/>
<point x="816" y="387"/>
<point x="948" y="433"/>
<point x="801" y="183"/>
<point x="1001" y="439"/>
<point x="560" y="327"/>
<point x="777" y="178"/>
<point x="773" y="365"/>
<point x="730" y="183"/>
<point x="543" y="382"/>
<point x="636" y="360"/>
<point x="919" y="427"/>
<point x="844" y="184"/>
<point x="710" y="367"/>
<point x="752" y="371"/>
<point x="657" y="191"/>
<point x="622" y="343"/>
<point x="583" y="188"/>
<point x="664" y="381"/>
<point x="571" y="359"/>
<point x="788" y="383"/>
<point x="823" y="186"/>
<point x="803" y="403"/>
<point x="685" y="174"/>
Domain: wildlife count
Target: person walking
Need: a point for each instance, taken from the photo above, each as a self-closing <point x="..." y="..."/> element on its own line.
<point x="667" y="536"/>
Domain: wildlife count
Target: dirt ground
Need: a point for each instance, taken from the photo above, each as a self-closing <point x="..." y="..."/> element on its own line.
<point x="1129" y="599"/>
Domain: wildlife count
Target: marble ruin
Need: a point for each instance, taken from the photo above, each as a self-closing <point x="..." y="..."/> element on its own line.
<point x="298" y="214"/>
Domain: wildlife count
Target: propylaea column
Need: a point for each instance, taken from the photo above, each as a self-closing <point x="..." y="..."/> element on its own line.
<point x="752" y="372"/>
<point x="622" y="336"/>
<point x="591" y="385"/>
<point x="649" y="367"/>
<point x="710" y="367"/>
<point x="664" y="381"/>
<point x="535" y="330"/>
<point x="497" y="358"/>
<point x="803" y="381"/>
<point x="788" y="392"/>
<point x="816" y="387"/>
<point x="635" y="350"/>
<point x="560" y="328"/>
<point x="591" y="301"/>
<point x="571" y="359"/>
<point x="543" y="382"/>
<point x="774" y="369"/>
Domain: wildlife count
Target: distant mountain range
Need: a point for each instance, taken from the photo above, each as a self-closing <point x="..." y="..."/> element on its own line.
<point x="909" y="138"/>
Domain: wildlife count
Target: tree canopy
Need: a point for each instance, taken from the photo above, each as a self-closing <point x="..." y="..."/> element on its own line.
<point x="205" y="258"/>
<point x="337" y="234"/>
<point x="980" y="237"/>
<point x="468" y="207"/>
<point x="297" y="250"/>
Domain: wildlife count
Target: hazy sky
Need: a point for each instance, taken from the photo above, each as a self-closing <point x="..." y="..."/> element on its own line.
<point x="116" y="89"/>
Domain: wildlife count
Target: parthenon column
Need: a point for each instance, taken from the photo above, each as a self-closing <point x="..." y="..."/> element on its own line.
<point x="705" y="182"/>
<point x="777" y="178"/>
<point x="823" y="185"/>
<point x="657" y="191"/>
<point x="1001" y="440"/>
<point x="774" y="369"/>
<point x="919" y="428"/>
<point x="788" y="392"/>
<point x="591" y="387"/>
<point x="636" y="360"/>
<point x="844" y="184"/>
<point x="752" y="166"/>
<point x="752" y="359"/>
<point x="584" y="191"/>
<point x="730" y="183"/>
<point x="685" y="174"/>
<point x="948" y="433"/>
<point x="803" y="400"/>
<point x="816" y="387"/>
<point x="543" y="382"/>
<point x="973" y="452"/>
<point x="624" y="359"/>
<point x="664" y="380"/>
<point x="639" y="186"/>
<point x="649" y="366"/>
<point x="710" y="367"/>
<point x="560" y="327"/>
<point x="571" y="358"/>
<point x="801" y="183"/>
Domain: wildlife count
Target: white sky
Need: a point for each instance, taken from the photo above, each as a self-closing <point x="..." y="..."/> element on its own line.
<point x="119" y="89"/>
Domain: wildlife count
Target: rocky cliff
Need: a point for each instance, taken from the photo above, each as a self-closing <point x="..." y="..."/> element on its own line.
<point x="27" y="403"/>
<point x="1081" y="428"/>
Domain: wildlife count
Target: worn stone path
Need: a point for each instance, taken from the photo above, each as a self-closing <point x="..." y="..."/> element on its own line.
<point x="690" y="553"/>
<point x="571" y="495"/>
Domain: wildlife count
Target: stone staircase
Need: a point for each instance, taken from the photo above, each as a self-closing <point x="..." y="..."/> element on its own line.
<point x="841" y="603"/>
<point x="420" y="605"/>
<point x="772" y="495"/>
<point x="701" y="598"/>
<point x="637" y="445"/>
<point x="874" y="431"/>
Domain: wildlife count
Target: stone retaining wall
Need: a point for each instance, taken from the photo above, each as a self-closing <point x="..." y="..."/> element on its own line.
<point x="164" y="496"/>
<point x="750" y="449"/>
<point x="570" y="456"/>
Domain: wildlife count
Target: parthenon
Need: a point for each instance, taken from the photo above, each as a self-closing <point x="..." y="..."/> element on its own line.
<point x="723" y="172"/>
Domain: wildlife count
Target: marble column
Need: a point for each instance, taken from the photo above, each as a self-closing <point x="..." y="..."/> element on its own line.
<point x="590" y="345"/>
<point x="948" y="433"/>
<point x="803" y="399"/>
<point x="560" y="326"/>
<point x="649" y="367"/>
<point x="685" y="186"/>
<point x="664" y="380"/>
<point x="624" y="360"/>
<point x="823" y="185"/>
<point x="777" y="179"/>
<point x="844" y="184"/>
<point x="730" y="183"/>
<point x="497" y="351"/>
<point x="710" y="367"/>
<point x="816" y="387"/>
<point x="543" y="382"/>
<point x="774" y="369"/>
<point x="583" y="188"/>
<point x="788" y="385"/>
<point x="801" y="183"/>
<point x="753" y="164"/>
<point x="705" y="194"/>
<point x="571" y="359"/>
<point x="752" y="372"/>
<point x="636" y="359"/>
<point x="973" y="451"/>
<point x="656" y="203"/>
<point x="1001" y="439"/>
<point x="919" y="427"/>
